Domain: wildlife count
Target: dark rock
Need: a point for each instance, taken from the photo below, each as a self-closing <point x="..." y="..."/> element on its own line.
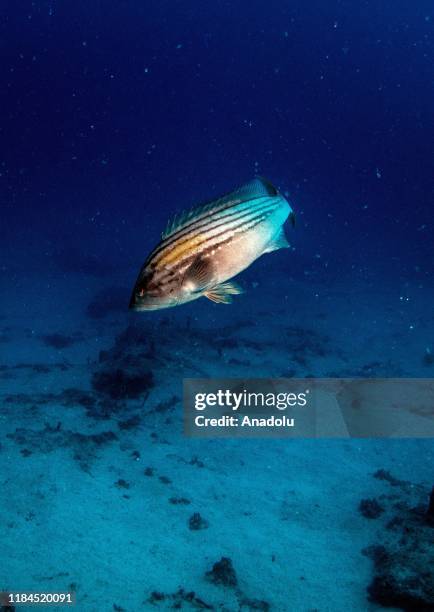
<point x="387" y="476"/>
<point x="254" y="604"/>
<point x="430" y="510"/>
<point x="406" y="593"/>
<point x="239" y="362"/>
<point x="428" y="358"/>
<point x="156" y="596"/>
<point x="130" y="423"/>
<point x="370" y="508"/>
<point x="122" y="484"/>
<point x="68" y="397"/>
<point x="52" y="437"/>
<point x="103" y="356"/>
<point x="377" y="553"/>
<point x="167" y="405"/>
<point x="122" y="384"/>
<point x="196" y="522"/>
<point x="223" y="573"/>
<point x="132" y="336"/>
<point x="178" y="599"/>
<point x="105" y="408"/>
<point x="403" y="561"/>
<point x="40" y="368"/>
<point x="58" y="341"/>
<point x="102" y="438"/>
<point x="179" y="501"/>
<point x="73" y="396"/>
<point x="197" y="462"/>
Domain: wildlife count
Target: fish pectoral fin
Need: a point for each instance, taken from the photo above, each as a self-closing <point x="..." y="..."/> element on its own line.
<point x="278" y="242"/>
<point x="199" y="274"/>
<point x="222" y="294"/>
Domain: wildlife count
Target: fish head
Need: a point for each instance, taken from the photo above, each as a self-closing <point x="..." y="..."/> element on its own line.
<point x="152" y="292"/>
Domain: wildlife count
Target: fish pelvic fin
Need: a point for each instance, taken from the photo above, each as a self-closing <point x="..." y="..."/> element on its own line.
<point x="279" y="241"/>
<point x="222" y="294"/>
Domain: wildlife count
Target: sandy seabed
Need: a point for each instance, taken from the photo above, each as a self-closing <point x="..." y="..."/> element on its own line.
<point x="103" y="495"/>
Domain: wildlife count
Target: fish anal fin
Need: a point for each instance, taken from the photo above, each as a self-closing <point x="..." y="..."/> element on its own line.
<point x="222" y="294"/>
<point x="278" y="242"/>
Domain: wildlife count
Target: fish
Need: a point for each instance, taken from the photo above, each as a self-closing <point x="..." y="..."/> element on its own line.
<point x="201" y="250"/>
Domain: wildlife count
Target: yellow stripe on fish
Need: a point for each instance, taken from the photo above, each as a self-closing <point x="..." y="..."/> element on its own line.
<point x="207" y="235"/>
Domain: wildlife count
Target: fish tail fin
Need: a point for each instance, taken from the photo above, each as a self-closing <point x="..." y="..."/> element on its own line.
<point x="279" y="241"/>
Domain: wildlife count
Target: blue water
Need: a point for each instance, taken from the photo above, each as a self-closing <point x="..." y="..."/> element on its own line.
<point x="114" y="117"/>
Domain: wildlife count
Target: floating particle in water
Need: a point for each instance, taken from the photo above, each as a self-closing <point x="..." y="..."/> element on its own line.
<point x="370" y="508"/>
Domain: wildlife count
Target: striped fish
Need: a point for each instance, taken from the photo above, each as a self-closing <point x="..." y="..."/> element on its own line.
<point x="201" y="250"/>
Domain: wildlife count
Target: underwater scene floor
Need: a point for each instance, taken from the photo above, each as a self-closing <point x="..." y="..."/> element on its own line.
<point x="103" y="495"/>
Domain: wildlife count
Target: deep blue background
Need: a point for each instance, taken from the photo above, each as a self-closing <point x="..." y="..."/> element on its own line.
<point x="114" y="115"/>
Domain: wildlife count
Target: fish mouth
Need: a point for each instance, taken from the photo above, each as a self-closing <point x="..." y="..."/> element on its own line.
<point x="133" y="301"/>
<point x="138" y="303"/>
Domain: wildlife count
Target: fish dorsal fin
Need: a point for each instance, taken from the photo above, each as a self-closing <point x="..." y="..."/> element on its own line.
<point x="199" y="275"/>
<point x="257" y="188"/>
<point x="222" y="294"/>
